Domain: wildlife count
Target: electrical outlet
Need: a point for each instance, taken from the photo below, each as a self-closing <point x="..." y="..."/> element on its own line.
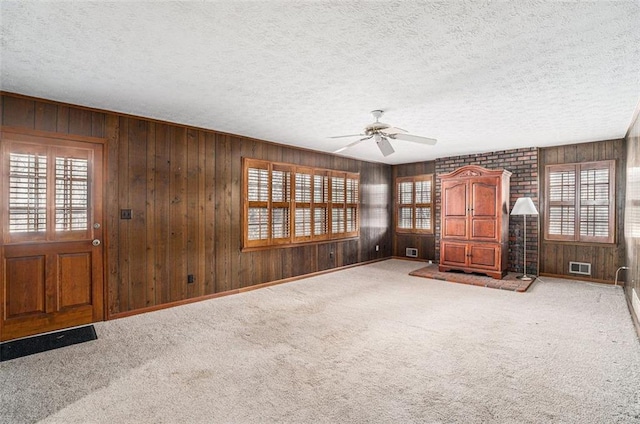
<point x="191" y="279"/>
<point x="125" y="213"/>
<point x="377" y="247"/>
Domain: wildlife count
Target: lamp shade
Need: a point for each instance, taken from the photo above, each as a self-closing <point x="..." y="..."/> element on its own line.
<point x="524" y="206"/>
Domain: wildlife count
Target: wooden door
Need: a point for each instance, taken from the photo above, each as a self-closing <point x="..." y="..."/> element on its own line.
<point x="454" y="209"/>
<point x="52" y="255"/>
<point x="484" y="209"/>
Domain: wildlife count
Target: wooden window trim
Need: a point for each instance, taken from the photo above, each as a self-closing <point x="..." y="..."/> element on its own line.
<point x="414" y="205"/>
<point x="292" y="204"/>
<point x="576" y="202"/>
<point x="36" y="145"/>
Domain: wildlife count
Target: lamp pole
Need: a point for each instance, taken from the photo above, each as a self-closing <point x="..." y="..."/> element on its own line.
<point x="525" y="277"/>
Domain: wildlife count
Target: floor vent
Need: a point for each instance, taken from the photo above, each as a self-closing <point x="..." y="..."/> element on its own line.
<point x="412" y="252"/>
<point x="580" y="268"/>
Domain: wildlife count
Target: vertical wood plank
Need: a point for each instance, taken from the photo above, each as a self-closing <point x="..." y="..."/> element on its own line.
<point x="150" y="227"/>
<point x="210" y="214"/>
<point x="235" y="208"/>
<point x="192" y="213"/>
<point x="18" y="112"/>
<point x="137" y="202"/>
<point x="124" y="225"/>
<point x="62" y="125"/>
<point x="97" y="124"/>
<point x="162" y="208"/>
<point x="178" y="212"/>
<point x="201" y="214"/>
<point x="223" y="213"/>
<point x="112" y="230"/>
<point x="46" y="116"/>
<point x="80" y="121"/>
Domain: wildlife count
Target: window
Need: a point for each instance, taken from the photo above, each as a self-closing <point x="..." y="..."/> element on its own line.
<point x="286" y="204"/>
<point x="414" y="207"/>
<point x="48" y="192"/>
<point x="581" y="202"/>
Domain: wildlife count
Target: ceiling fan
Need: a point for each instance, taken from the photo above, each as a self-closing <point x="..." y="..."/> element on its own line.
<point x="381" y="133"/>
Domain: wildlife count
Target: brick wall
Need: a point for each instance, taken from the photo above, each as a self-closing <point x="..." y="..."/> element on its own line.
<point x="523" y="164"/>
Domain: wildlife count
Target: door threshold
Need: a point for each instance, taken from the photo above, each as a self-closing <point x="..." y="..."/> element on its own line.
<point x="14" y="349"/>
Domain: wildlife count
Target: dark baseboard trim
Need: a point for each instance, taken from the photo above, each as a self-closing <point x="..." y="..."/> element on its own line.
<point x="236" y="291"/>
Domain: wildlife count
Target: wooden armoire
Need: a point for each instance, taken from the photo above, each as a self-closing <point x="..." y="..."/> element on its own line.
<point x="475" y="220"/>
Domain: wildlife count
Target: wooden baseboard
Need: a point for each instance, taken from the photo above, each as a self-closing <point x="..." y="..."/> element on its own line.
<point x="235" y="291"/>
<point x="406" y="258"/>
<point x="578" y="278"/>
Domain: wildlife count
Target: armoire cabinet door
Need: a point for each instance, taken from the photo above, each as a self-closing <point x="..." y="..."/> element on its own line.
<point x="454" y="209"/>
<point x="484" y="209"/>
<point x="453" y="254"/>
<point x="485" y="256"/>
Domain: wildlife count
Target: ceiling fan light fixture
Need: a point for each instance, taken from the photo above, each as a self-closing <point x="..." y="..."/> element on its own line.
<point x="384" y="145"/>
<point x="381" y="132"/>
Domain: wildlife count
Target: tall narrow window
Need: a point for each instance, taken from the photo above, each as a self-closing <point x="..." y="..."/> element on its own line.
<point x="320" y="204"/>
<point x="352" y="200"/>
<point x="27" y="192"/>
<point x="257" y="220"/>
<point x="280" y="204"/>
<point x="580" y="202"/>
<point x="337" y="204"/>
<point x="286" y="204"/>
<point x="414" y="205"/>
<point x="72" y="203"/>
<point x="303" y="190"/>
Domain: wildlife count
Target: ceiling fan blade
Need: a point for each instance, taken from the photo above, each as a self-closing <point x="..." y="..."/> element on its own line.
<point x="350" y="135"/>
<point x="342" y="149"/>
<point x="384" y="146"/>
<point x="414" y="138"/>
<point x="392" y="130"/>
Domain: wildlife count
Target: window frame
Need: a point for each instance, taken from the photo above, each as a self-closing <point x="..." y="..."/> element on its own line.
<point x="293" y="203"/>
<point x="414" y="205"/>
<point x="577" y="203"/>
<point x="51" y="231"/>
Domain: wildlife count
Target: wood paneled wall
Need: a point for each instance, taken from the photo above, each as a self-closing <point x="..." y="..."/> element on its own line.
<point x="183" y="186"/>
<point x="632" y="217"/>
<point x="425" y="243"/>
<point x="605" y="258"/>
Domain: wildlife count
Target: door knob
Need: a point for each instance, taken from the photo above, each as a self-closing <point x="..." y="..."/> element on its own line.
<point x="96" y="242"/>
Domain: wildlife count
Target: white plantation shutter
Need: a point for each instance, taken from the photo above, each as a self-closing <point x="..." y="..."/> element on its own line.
<point x="303" y="190"/>
<point x="414" y="208"/>
<point x="561" y="188"/>
<point x="71" y="199"/>
<point x="27" y="192"/>
<point x="320" y="204"/>
<point x="352" y="199"/>
<point x="285" y="204"/>
<point x="280" y="203"/>
<point x="594" y="202"/>
<point x="581" y="201"/>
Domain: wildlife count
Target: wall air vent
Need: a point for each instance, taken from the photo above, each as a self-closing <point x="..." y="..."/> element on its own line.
<point x="412" y="252"/>
<point x="582" y="268"/>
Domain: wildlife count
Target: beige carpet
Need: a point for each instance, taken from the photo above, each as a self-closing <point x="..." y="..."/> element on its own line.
<point x="365" y="345"/>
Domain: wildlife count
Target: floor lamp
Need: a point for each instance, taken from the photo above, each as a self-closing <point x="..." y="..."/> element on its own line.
<point x="524" y="206"/>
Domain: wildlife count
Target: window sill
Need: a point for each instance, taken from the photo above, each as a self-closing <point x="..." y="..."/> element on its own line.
<point x="301" y="244"/>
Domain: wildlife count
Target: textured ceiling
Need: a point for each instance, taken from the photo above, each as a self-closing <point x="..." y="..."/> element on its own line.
<point x="478" y="76"/>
